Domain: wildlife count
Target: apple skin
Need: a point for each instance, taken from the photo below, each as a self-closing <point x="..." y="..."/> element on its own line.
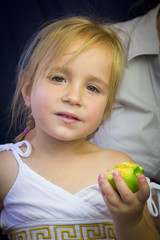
<point x="129" y="171"/>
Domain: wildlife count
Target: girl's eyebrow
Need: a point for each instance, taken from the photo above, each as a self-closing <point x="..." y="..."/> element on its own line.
<point x="98" y="80"/>
<point x="58" y="69"/>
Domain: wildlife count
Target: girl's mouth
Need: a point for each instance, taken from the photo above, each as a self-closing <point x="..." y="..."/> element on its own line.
<point x="68" y="117"/>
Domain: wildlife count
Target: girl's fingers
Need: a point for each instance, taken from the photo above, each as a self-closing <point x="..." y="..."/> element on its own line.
<point x="125" y="193"/>
<point x="107" y="191"/>
<point x="144" y="190"/>
<point x="104" y="185"/>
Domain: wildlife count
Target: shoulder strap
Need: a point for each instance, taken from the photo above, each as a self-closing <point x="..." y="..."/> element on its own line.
<point x="15" y="148"/>
<point x="154" y="190"/>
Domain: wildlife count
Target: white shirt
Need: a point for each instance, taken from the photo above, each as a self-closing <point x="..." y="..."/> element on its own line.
<point x="134" y="127"/>
<point x="35" y="206"/>
<point x="33" y="201"/>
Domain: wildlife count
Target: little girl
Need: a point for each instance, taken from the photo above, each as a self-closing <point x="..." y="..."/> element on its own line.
<point x="67" y="81"/>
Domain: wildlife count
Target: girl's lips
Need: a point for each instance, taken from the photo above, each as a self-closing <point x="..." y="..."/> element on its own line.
<point x="68" y="117"/>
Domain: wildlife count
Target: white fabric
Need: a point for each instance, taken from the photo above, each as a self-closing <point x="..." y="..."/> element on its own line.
<point x="34" y="201"/>
<point x="101" y="231"/>
<point x="154" y="190"/>
<point x="134" y="127"/>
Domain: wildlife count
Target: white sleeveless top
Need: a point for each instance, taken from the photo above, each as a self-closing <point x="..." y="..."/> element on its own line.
<point x="34" y="206"/>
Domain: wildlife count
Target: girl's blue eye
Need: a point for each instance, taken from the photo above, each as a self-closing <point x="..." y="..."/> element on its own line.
<point x="58" y="79"/>
<point x="93" y="89"/>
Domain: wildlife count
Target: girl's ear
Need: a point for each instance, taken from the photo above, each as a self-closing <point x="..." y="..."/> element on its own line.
<point x="26" y="91"/>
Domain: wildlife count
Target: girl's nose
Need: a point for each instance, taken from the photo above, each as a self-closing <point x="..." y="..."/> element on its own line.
<point x="73" y="95"/>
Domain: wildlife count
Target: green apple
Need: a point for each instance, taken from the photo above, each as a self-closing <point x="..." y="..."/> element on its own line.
<point x="129" y="172"/>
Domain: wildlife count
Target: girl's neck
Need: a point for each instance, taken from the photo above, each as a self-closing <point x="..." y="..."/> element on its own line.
<point x="49" y="145"/>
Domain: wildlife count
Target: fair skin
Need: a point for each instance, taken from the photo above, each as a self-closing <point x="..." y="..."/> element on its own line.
<point x="67" y="106"/>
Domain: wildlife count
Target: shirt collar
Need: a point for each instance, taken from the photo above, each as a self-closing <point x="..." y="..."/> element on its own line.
<point x="144" y="36"/>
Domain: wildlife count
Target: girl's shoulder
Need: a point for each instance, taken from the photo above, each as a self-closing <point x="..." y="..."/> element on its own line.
<point x="6" y="160"/>
<point x="115" y="157"/>
<point x="8" y="173"/>
<point x="109" y="158"/>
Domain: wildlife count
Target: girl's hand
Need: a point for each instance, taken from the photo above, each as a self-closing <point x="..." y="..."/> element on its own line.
<point x="125" y="207"/>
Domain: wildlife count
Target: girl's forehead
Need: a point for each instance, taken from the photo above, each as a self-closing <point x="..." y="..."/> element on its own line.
<point x="63" y="52"/>
<point x="76" y="48"/>
<point x="81" y="45"/>
<point x="76" y="51"/>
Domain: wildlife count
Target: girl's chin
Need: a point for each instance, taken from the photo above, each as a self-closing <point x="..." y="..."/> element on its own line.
<point x="69" y="139"/>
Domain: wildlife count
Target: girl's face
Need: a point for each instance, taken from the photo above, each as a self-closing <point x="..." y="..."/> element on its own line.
<point x="70" y="104"/>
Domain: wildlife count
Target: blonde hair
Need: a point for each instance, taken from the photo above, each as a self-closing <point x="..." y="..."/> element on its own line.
<point x="54" y="39"/>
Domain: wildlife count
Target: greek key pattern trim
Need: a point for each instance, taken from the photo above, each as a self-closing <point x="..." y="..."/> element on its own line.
<point x="68" y="232"/>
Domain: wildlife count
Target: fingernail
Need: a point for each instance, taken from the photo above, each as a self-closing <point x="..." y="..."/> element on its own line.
<point x="116" y="173"/>
<point x="100" y="177"/>
<point x="141" y="177"/>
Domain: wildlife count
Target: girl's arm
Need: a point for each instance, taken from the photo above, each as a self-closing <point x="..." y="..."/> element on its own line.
<point x="129" y="213"/>
<point x="157" y="219"/>
<point x="8" y="174"/>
